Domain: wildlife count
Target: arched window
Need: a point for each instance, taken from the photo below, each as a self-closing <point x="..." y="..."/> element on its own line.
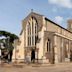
<point x="28" y="34"/>
<point x="32" y="32"/>
<point x="36" y="28"/>
<point x="48" y="45"/>
<point x="29" y="29"/>
<point x="35" y="31"/>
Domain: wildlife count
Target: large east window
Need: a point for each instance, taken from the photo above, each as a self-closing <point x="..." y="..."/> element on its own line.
<point x="31" y="32"/>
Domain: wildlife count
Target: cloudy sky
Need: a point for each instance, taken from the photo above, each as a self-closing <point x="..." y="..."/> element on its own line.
<point x="12" y="12"/>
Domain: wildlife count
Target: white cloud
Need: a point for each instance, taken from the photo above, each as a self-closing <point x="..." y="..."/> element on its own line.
<point x="63" y="3"/>
<point x="58" y="19"/>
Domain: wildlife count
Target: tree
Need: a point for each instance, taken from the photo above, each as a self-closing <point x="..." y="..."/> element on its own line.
<point x="8" y="44"/>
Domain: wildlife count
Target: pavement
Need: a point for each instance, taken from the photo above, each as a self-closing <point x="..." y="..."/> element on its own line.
<point x="60" y="67"/>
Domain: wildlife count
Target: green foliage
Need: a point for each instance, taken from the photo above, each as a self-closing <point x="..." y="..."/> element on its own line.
<point x="9" y="39"/>
<point x="7" y="42"/>
<point x="8" y="34"/>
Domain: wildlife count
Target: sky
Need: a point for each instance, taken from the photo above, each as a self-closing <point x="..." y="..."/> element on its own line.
<point x="12" y="12"/>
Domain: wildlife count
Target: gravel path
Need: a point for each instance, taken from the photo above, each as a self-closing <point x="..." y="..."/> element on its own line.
<point x="64" y="67"/>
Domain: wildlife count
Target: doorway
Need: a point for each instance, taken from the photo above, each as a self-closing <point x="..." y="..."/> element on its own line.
<point x="33" y="55"/>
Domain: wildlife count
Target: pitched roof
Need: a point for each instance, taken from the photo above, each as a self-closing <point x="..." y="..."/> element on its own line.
<point x="50" y="21"/>
<point x="57" y="24"/>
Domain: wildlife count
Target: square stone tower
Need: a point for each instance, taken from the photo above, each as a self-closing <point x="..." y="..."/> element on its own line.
<point x="69" y="25"/>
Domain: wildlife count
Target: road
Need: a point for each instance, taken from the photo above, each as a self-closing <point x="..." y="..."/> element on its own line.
<point x="63" y="67"/>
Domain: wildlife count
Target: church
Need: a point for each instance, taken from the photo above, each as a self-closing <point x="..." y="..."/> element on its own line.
<point x="43" y="41"/>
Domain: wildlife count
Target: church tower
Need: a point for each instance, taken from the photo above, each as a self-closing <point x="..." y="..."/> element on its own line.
<point x="69" y="26"/>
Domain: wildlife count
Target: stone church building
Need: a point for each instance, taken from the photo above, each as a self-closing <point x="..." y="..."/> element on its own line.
<point x="43" y="41"/>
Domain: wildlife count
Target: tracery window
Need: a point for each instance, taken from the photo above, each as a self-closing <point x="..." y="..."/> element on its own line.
<point x="28" y="34"/>
<point x="32" y="30"/>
